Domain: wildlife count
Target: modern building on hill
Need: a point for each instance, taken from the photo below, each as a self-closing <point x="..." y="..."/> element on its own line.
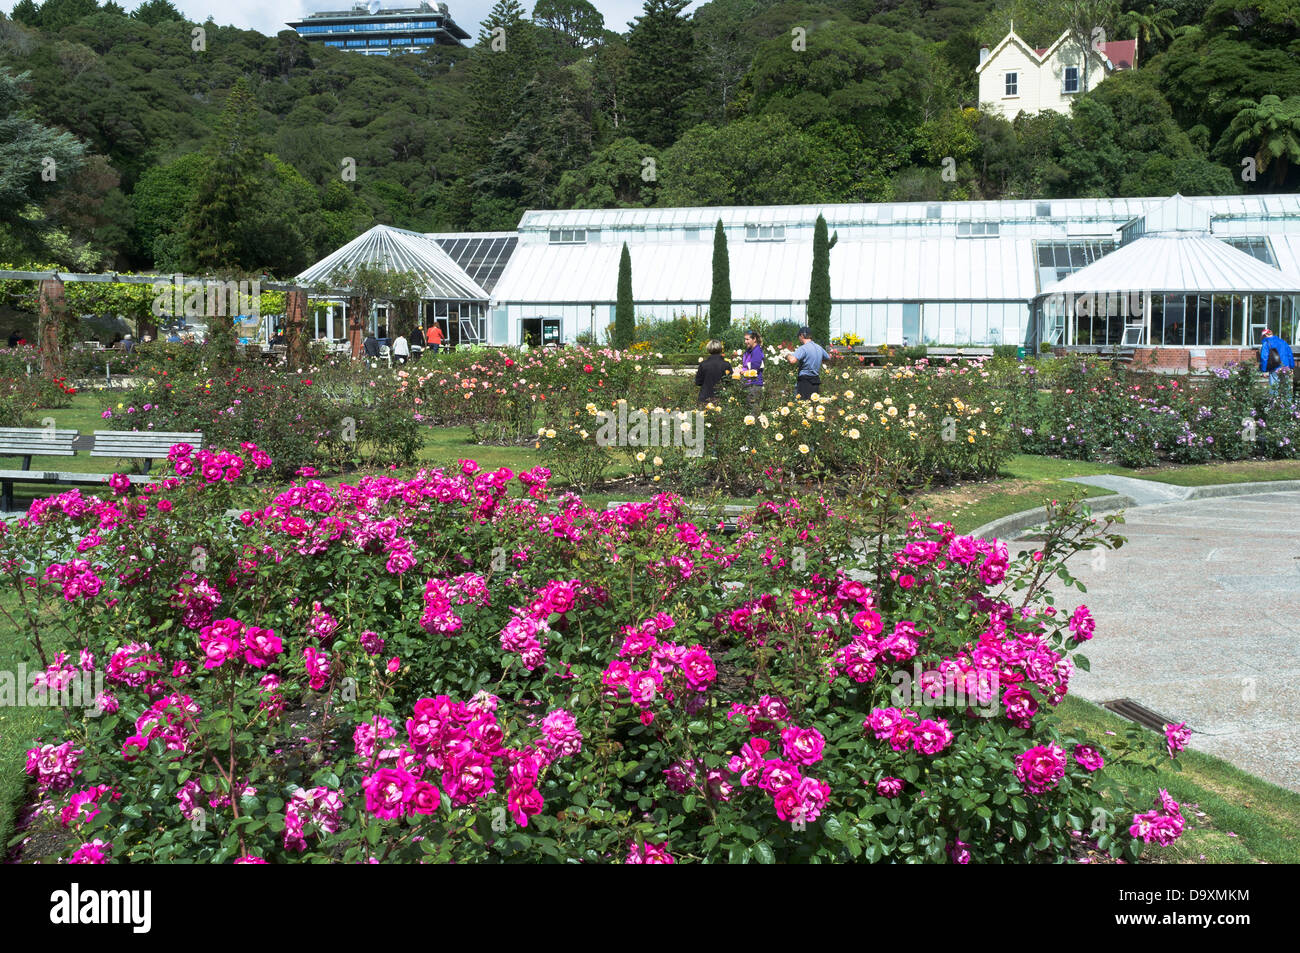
<point x="383" y="31"/>
<point x="1015" y="77"/>
<point x="942" y="273"/>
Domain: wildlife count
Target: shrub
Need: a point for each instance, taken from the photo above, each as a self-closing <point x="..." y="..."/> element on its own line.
<point x="439" y="669"/>
<point x="336" y="418"/>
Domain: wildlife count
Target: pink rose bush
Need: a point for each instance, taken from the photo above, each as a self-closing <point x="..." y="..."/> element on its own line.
<point x="460" y="666"/>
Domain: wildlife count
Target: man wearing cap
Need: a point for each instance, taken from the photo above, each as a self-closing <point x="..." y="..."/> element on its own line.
<point x="1274" y="354"/>
<point x="809" y="355"/>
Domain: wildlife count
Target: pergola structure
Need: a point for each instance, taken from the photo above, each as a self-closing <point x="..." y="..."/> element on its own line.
<point x="53" y="308"/>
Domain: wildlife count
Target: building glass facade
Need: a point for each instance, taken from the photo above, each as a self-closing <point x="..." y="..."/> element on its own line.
<point x="383" y="31"/>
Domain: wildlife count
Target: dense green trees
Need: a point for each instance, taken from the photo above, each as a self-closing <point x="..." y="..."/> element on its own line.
<point x="661" y="78"/>
<point x="738" y="102"/>
<point x="1272" y="128"/>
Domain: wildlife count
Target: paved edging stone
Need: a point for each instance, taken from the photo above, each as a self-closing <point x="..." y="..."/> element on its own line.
<point x="1009" y="527"/>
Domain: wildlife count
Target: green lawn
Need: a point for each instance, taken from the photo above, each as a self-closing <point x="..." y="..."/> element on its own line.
<point x="18" y="724"/>
<point x="1245" y="820"/>
<point x="1208" y="474"/>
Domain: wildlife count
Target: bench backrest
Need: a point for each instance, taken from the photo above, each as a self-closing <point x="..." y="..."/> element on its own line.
<point x="140" y="444"/>
<point x="36" y="442"/>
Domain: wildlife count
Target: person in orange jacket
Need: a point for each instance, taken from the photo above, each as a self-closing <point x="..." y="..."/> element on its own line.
<point x="434" y="338"/>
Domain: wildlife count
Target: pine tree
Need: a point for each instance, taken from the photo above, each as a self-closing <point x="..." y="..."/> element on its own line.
<point x="720" y="297"/>
<point x="213" y="222"/>
<point x="819" y="292"/>
<point x="624" y="312"/>
<point x="661" y="74"/>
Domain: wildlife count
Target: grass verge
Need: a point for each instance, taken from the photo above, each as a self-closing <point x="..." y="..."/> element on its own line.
<point x="1232" y="817"/>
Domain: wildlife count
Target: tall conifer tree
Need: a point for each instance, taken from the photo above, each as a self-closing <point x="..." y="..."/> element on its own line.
<point x="819" y="291"/>
<point x="624" y="311"/>
<point x="720" y="298"/>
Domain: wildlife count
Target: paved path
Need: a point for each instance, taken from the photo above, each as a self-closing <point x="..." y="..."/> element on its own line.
<point x="1145" y="492"/>
<point x="1198" y="619"/>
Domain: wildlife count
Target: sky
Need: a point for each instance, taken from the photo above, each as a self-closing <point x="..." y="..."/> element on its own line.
<point x="270" y="17"/>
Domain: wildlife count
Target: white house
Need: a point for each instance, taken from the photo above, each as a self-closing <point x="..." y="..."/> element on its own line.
<point x="1015" y="77"/>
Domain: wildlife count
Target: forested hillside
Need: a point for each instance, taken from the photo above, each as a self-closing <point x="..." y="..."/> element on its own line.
<point x="142" y="141"/>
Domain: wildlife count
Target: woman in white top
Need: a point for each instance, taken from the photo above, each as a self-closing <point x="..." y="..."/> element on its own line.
<point x="401" y="349"/>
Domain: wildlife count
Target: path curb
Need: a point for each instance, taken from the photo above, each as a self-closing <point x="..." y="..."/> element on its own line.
<point x="1009" y="527"/>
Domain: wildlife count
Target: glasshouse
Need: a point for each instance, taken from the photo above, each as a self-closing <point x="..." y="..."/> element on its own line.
<point x="449" y="293"/>
<point x="1171" y="283"/>
<point x="942" y="273"/>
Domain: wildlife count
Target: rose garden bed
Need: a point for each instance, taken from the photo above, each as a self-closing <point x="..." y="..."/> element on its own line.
<point x="457" y="667"/>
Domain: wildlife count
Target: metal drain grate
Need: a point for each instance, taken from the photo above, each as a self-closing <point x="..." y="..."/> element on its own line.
<point x="1128" y="708"/>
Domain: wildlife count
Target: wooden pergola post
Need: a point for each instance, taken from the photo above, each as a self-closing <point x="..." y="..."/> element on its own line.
<point x="295" y="330"/>
<point x="53" y="308"/>
<point x="357" y="316"/>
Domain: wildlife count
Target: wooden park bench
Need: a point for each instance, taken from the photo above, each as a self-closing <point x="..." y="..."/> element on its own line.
<point x="146" y="445"/>
<point x="730" y="512"/>
<point x="27" y="443"/>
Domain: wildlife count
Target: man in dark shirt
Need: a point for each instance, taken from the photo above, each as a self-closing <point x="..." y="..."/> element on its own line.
<point x="711" y="371"/>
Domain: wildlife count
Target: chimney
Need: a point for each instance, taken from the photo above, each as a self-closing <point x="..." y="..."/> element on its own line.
<point x="984" y="54"/>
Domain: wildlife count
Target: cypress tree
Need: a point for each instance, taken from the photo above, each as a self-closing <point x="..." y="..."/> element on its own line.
<point x="819" y="292"/>
<point x="720" y="298"/>
<point x="624" y="314"/>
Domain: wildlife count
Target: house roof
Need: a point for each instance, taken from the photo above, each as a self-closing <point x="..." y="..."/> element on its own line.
<point x="1118" y="54"/>
<point x="1121" y="53"/>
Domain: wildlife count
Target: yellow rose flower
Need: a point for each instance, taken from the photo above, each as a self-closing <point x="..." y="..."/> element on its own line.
<point x="854" y="434"/>
<point x="780" y="436"/>
<point x="659" y="461"/>
<point x="803" y="448"/>
<point x="640" y="457"/>
<point x="749" y="420"/>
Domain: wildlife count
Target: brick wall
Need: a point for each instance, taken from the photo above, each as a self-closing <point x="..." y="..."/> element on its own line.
<point x="1180" y="359"/>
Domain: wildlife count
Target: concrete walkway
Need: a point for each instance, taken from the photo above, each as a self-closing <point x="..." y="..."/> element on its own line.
<point x="1142" y="492"/>
<point x="1198" y="619"/>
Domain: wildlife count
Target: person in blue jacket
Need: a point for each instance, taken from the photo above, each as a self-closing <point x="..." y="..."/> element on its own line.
<point x="1274" y="354"/>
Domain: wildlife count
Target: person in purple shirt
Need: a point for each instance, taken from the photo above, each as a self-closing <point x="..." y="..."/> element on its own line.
<point x="752" y="360"/>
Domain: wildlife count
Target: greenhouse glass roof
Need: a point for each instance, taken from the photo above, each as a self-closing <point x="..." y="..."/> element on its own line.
<point x="395" y="249"/>
<point x="1178" y="262"/>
